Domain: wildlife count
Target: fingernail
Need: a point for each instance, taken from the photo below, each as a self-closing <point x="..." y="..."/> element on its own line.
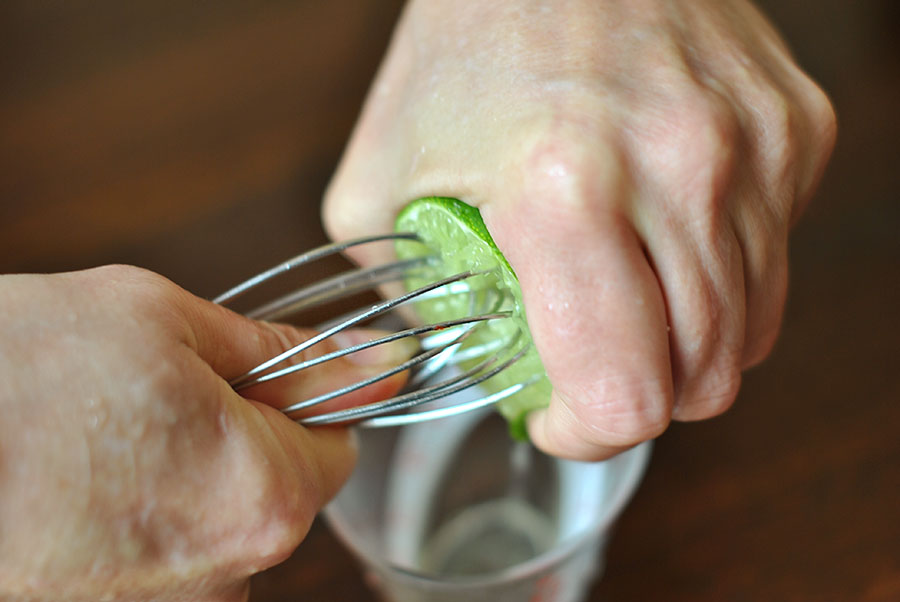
<point x="384" y="354"/>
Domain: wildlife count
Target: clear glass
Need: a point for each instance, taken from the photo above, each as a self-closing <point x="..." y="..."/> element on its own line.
<point x="453" y="510"/>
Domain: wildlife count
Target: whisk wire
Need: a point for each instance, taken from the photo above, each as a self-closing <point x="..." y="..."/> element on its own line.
<point x="447" y="326"/>
<point x="465" y="380"/>
<point x="440" y="344"/>
<point x="337" y="287"/>
<point x="372" y="312"/>
<point x="447" y="411"/>
<point x="410" y="363"/>
<point x="304" y="258"/>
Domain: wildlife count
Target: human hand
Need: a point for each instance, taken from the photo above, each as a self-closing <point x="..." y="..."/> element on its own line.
<point x="639" y="164"/>
<point x="129" y="469"/>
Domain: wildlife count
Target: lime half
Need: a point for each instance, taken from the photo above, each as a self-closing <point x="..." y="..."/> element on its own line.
<point x="455" y="234"/>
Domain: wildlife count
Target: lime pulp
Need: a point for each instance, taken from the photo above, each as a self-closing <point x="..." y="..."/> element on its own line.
<point x="456" y="235"/>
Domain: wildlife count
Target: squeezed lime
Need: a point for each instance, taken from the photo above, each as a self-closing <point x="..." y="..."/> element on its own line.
<point x="454" y="232"/>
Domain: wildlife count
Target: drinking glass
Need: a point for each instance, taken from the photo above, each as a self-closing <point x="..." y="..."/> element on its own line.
<point x="455" y="510"/>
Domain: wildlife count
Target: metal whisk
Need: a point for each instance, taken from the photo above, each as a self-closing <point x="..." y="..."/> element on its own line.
<point x="435" y="374"/>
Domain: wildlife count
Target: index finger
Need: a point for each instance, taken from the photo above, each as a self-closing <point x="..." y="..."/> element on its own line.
<point x="597" y="317"/>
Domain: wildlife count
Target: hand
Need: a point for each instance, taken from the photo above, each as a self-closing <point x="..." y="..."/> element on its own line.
<point x="639" y="163"/>
<point x="129" y="469"/>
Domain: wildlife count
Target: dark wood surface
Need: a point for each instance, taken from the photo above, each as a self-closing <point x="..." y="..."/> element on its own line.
<point x="196" y="139"/>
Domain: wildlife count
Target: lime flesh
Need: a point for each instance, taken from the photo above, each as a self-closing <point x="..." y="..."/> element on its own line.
<point x="454" y="232"/>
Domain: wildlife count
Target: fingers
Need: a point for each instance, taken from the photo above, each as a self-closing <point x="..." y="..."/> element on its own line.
<point x="279" y="474"/>
<point x="814" y="135"/>
<point x="594" y="307"/>
<point x="604" y="344"/>
<point x="702" y="282"/>
<point x="720" y="140"/>
<point x="784" y="136"/>
<point x="762" y="243"/>
<point x="152" y="439"/>
<point x="790" y="131"/>
<point x="681" y="213"/>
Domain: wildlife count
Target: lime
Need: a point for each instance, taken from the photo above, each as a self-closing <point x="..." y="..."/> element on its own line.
<point x="454" y="232"/>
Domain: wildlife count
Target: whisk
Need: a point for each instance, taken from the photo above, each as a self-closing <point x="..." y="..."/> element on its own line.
<point x="440" y="371"/>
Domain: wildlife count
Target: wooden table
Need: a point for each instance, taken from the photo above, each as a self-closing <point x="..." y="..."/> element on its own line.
<point x="198" y="144"/>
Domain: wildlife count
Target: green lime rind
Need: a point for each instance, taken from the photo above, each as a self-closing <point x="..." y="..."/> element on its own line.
<point x="456" y="233"/>
<point x="518" y="427"/>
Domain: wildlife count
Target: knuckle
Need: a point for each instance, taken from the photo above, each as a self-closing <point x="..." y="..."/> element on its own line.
<point x="271" y="544"/>
<point x="140" y="288"/>
<point x="624" y="415"/>
<point x="337" y="215"/>
<point x="783" y="129"/>
<point x="723" y="389"/>
<point x="716" y="391"/>
<point x="155" y="306"/>
<point x="823" y="117"/>
<point x="273" y="521"/>
<point x="767" y="286"/>
<point x="761" y="339"/>
<point x="278" y="539"/>
<point x="691" y="152"/>
<point x="125" y="274"/>
<point x="778" y="116"/>
<point x="819" y="137"/>
<point x="759" y="348"/>
<point x="564" y="163"/>
<point x="709" y="125"/>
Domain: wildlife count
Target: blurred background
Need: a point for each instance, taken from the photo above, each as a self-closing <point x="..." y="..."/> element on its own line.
<point x="196" y="139"/>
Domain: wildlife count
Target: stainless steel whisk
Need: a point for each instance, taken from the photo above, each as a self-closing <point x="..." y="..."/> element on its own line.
<point x="435" y="376"/>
